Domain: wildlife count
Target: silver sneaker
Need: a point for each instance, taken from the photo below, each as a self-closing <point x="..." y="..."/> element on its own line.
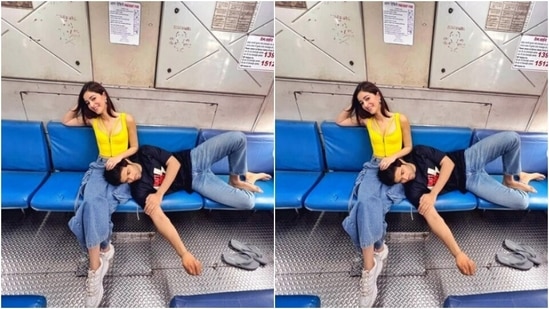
<point x="383" y="254"/>
<point x="94" y="285"/>
<point x="368" y="285"/>
<point x="107" y="257"/>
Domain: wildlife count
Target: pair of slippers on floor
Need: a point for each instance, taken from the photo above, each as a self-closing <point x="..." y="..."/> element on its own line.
<point x="247" y="257"/>
<point x="521" y="257"/>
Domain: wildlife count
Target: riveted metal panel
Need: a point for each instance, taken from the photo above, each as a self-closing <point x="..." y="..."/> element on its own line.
<point x="50" y="42"/>
<point x="194" y="56"/>
<point x="467" y="56"/>
<point x="323" y="42"/>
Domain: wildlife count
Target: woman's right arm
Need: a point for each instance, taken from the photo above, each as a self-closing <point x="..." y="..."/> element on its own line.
<point x="345" y="118"/>
<point x="72" y="118"/>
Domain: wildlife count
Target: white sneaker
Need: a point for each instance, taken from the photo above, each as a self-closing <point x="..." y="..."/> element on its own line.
<point x="382" y="255"/>
<point x="368" y="285"/>
<point x="94" y="285"/>
<point x="107" y="257"/>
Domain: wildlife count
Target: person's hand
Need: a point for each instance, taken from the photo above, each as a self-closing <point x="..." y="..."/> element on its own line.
<point x="111" y="163"/>
<point x="465" y="265"/>
<point x="426" y="202"/>
<point x="152" y="202"/>
<point x="191" y="265"/>
<point x="385" y="162"/>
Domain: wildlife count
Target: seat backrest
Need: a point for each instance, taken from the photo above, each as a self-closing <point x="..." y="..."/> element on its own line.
<point x="347" y="148"/>
<point x="24" y="146"/>
<point x="533" y="149"/>
<point x="443" y="138"/>
<point x="74" y="148"/>
<point x="259" y="150"/>
<point x="298" y="146"/>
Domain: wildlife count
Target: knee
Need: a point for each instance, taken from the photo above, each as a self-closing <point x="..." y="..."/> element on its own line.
<point x="249" y="204"/>
<point x="521" y="203"/>
<point x="238" y="137"/>
<point x="512" y="137"/>
<point x="246" y="204"/>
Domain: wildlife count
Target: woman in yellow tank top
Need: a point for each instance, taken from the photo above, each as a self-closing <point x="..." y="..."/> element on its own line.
<point x="116" y="137"/>
<point x="391" y="138"/>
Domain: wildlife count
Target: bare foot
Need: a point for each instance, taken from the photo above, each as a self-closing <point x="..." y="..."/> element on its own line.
<point x="527" y="177"/>
<point x="244" y="185"/>
<point x="253" y="177"/>
<point x="519" y="186"/>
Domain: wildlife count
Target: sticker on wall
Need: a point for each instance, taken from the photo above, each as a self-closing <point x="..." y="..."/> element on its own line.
<point x="508" y="16"/>
<point x="398" y="23"/>
<point x="124" y="22"/>
<point x="341" y="29"/>
<point x="258" y="54"/>
<point x="292" y="4"/>
<point x="68" y="33"/>
<point x="454" y="39"/>
<point x="234" y="16"/>
<point x="181" y="38"/>
<point x="531" y="54"/>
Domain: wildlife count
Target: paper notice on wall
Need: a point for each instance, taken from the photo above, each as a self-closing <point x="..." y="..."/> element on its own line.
<point x="398" y="23"/>
<point x="531" y="54"/>
<point x="258" y="54"/>
<point x="124" y="22"/>
<point x="508" y="16"/>
<point x="234" y="16"/>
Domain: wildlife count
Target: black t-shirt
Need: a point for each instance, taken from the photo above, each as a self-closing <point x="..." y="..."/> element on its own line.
<point x="153" y="162"/>
<point x="427" y="161"/>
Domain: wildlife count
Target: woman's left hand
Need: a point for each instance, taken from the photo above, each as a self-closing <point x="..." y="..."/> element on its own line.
<point x="385" y="162"/>
<point x="111" y="163"/>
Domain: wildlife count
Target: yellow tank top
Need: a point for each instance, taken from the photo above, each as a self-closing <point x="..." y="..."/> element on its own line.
<point x="384" y="146"/>
<point x="111" y="145"/>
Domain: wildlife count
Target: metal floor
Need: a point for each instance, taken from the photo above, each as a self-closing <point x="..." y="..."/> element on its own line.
<point x="40" y="255"/>
<point x="314" y="255"/>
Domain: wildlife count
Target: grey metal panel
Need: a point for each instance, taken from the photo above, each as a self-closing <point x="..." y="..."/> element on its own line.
<point x="323" y="42"/>
<point x="121" y="64"/>
<point x="467" y="56"/>
<point x="316" y="100"/>
<point x="394" y="64"/>
<point x="49" y="42"/>
<point x="469" y="114"/>
<point x="192" y="56"/>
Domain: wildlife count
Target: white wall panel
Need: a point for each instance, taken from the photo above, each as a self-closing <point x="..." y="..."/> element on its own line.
<point x="319" y="101"/>
<point x="323" y="42"/>
<point x="192" y="56"/>
<point x="45" y="101"/>
<point x="49" y="42"/>
<point x="483" y="59"/>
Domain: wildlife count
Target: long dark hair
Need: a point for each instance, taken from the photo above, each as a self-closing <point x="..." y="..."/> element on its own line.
<point x="84" y="110"/>
<point x="357" y="109"/>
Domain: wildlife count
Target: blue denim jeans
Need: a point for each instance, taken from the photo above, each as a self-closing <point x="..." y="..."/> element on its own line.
<point x="205" y="182"/>
<point x="506" y="145"/>
<point x="369" y="203"/>
<point x="94" y="205"/>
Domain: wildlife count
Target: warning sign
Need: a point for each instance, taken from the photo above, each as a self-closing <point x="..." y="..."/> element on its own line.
<point x="258" y="54"/>
<point x="531" y="54"/>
